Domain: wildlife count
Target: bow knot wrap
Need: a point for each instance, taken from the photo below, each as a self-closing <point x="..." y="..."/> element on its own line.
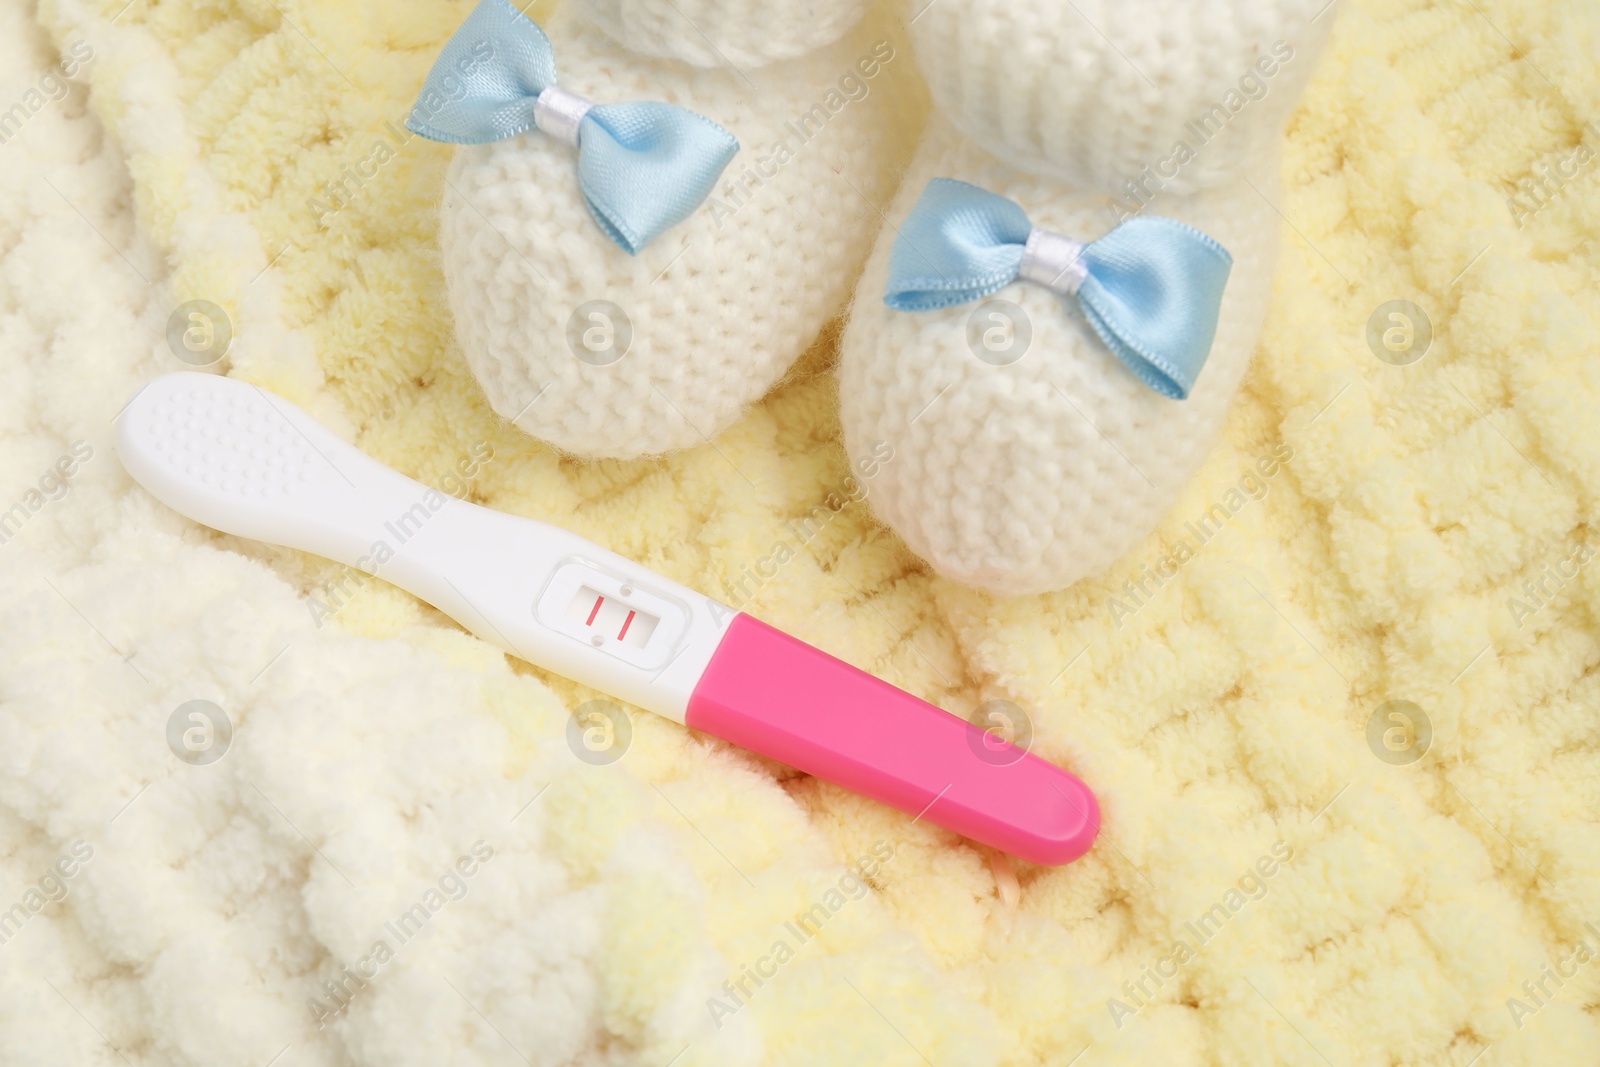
<point x="642" y="167"/>
<point x="1151" y="288"/>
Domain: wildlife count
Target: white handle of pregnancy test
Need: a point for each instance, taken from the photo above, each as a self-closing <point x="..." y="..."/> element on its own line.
<point x="247" y="462"/>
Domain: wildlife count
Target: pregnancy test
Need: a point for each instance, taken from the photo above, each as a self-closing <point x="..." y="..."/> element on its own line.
<point x="247" y="462"/>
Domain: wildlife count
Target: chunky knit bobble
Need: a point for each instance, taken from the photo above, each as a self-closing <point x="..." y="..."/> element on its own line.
<point x="724" y="33"/>
<point x="1097" y="91"/>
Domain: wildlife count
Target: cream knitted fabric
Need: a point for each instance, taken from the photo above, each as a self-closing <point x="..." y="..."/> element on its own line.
<point x="605" y="354"/>
<point x="720" y="33"/>
<point x="1039" y="84"/>
<point x="1022" y="474"/>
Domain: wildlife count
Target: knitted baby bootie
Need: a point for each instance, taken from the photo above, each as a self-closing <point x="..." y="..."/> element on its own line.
<point x="625" y="281"/>
<point x="1055" y="368"/>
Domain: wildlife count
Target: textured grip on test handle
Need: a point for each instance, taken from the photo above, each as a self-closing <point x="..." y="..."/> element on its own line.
<point x="776" y="695"/>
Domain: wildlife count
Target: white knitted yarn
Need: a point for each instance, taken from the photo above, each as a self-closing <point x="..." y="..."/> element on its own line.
<point x="1038" y="83"/>
<point x="721" y="304"/>
<point x="721" y="33"/>
<point x="1025" y="477"/>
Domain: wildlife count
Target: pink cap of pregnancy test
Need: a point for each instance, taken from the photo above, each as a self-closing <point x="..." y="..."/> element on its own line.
<point x="780" y="697"/>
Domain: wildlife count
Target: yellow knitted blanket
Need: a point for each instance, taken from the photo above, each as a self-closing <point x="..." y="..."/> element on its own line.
<point x="1345" y="738"/>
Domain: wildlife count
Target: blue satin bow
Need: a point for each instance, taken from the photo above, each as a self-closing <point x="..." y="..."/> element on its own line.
<point x="1151" y="288"/>
<point x="642" y="167"/>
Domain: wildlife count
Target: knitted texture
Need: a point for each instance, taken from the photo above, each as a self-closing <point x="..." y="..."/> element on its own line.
<point x="1093" y="92"/>
<point x="723" y="33"/>
<point x="1220" y="714"/>
<point x="605" y="354"/>
<point x="1027" y="475"/>
<point x="229" y="910"/>
<point x="1028" y="469"/>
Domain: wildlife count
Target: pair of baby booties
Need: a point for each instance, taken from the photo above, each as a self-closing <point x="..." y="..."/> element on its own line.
<point x="1015" y="475"/>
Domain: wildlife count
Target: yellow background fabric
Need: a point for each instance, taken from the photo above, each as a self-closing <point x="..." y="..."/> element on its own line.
<point x="1227" y="714"/>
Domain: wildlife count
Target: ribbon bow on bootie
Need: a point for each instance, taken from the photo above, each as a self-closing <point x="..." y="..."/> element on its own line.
<point x="1150" y="288"/>
<point x="642" y="167"/>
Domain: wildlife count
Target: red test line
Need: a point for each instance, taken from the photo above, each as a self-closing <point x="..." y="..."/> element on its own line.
<point x="625" y="624"/>
<point x="594" y="610"/>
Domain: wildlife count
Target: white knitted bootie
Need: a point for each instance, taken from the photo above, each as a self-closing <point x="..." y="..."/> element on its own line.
<point x="1026" y="455"/>
<point x="602" y="353"/>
